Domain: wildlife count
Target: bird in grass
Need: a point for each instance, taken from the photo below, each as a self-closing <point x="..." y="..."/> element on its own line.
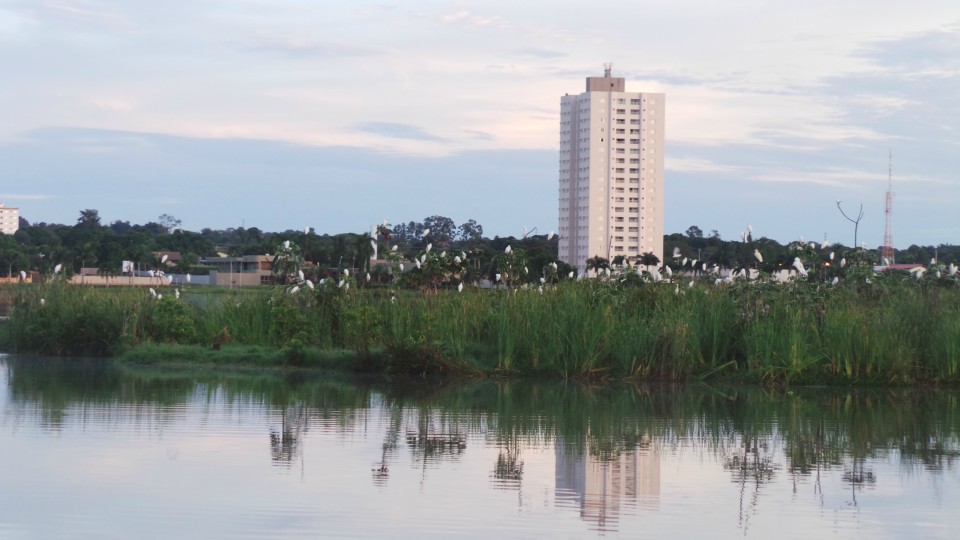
<point x="460" y="287"/>
<point x="295" y="289"/>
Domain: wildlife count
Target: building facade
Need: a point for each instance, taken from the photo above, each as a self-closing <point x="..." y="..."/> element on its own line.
<point x="9" y="219"/>
<point x="611" y="172"/>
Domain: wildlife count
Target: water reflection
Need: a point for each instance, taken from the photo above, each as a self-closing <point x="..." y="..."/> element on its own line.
<point x="605" y="484"/>
<point x="610" y="456"/>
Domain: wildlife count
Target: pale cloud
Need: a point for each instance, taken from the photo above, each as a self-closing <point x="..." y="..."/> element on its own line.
<point x="25" y="197"/>
<point x="471" y="19"/>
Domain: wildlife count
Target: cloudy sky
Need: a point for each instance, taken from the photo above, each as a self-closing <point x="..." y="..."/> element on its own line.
<point x="282" y="114"/>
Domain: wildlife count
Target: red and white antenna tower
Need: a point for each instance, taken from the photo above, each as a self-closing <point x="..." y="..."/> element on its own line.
<point x="887" y="251"/>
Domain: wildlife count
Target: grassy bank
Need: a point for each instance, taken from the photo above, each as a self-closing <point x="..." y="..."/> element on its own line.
<point x="895" y="330"/>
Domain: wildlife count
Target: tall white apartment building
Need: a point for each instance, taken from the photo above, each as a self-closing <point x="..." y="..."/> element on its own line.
<point x="611" y="172"/>
<point x="9" y="219"/>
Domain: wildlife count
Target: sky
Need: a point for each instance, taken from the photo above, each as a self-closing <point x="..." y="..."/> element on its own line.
<point x="285" y="114"/>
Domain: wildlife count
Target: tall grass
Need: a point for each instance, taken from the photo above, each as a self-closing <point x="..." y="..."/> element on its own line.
<point x="799" y="333"/>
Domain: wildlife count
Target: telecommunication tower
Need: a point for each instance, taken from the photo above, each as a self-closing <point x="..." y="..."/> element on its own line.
<point x="887" y="251"/>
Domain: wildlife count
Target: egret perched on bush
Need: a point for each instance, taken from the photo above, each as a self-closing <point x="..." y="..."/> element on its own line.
<point x="426" y="232"/>
<point x="56" y="269"/>
<point x="757" y="255"/>
<point x="798" y="264"/>
<point x="508" y="249"/>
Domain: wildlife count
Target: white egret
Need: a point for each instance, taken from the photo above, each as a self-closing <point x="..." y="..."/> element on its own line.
<point x="169" y="280"/>
<point x="423" y="258"/>
<point x="952" y="269"/>
<point x="294" y="289"/>
<point x="300" y="275"/>
<point x="498" y="277"/>
<point x="508" y="249"/>
<point x="676" y="253"/>
<point x="426" y="232"/>
<point x="460" y="287"/>
<point x="368" y="276"/>
<point x="346" y="272"/>
<point x="286" y="244"/>
<point x="429" y="247"/>
<point x="750" y="229"/>
<point x="831" y="255"/>
<point x="933" y="261"/>
<point x="843" y="262"/>
<point x="443" y="254"/>
<point x="704" y="266"/>
<point x="42" y="301"/>
<point x="668" y="270"/>
<point x="346" y="287"/>
<point x="550" y="236"/>
<point x="543" y="280"/>
<point x="163" y="259"/>
<point x="159" y="297"/>
<point x="757" y="255"/>
<point x="401" y="267"/>
<point x="189" y="278"/>
<point x="306" y="230"/>
<point x="826" y="244"/>
<point x="23" y="275"/>
<point x="341" y="283"/>
<point x="152" y="292"/>
<point x="835" y="280"/>
<point x="554" y="265"/>
<point x="417" y="262"/>
<point x="322" y="281"/>
<point x="57" y="268"/>
<point x="525" y="271"/>
<point x="394" y="248"/>
<point x="309" y="283"/>
<point x="683" y="262"/>
<point x="570" y="275"/>
<point x="456" y="259"/>
<point x="798" y="264"/>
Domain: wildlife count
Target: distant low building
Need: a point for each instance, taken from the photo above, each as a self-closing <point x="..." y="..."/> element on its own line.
<point x="245" y="271"/>
<point x="9" y="219"/>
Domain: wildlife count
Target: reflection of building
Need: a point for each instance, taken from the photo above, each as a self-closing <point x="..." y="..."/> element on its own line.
<point x="605" y="489"/>
<point x="9" y="219"/>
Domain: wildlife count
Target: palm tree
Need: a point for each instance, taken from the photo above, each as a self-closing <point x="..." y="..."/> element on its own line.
<point x="649" y="259"/>
<point x="597" y="263"/>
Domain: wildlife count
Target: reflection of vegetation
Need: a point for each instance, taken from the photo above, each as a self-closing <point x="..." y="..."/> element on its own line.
<point x="816" y="429"/>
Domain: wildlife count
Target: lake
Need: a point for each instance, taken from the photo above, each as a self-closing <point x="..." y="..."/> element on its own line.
<point x="91" y="449"/>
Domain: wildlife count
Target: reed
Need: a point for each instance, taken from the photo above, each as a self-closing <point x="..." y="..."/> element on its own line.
<point x="902" y="332"/>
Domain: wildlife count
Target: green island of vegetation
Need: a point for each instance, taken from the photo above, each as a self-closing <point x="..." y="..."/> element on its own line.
<point x="436" y="306"/>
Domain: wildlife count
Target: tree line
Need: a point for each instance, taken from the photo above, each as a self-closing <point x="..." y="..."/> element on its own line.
<point x="89" y="243"/>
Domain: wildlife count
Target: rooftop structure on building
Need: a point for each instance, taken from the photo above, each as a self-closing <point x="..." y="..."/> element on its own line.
<point x="610" y="172"/>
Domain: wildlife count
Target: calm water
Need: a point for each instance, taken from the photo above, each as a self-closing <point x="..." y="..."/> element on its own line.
<point x="90" y="450"/>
